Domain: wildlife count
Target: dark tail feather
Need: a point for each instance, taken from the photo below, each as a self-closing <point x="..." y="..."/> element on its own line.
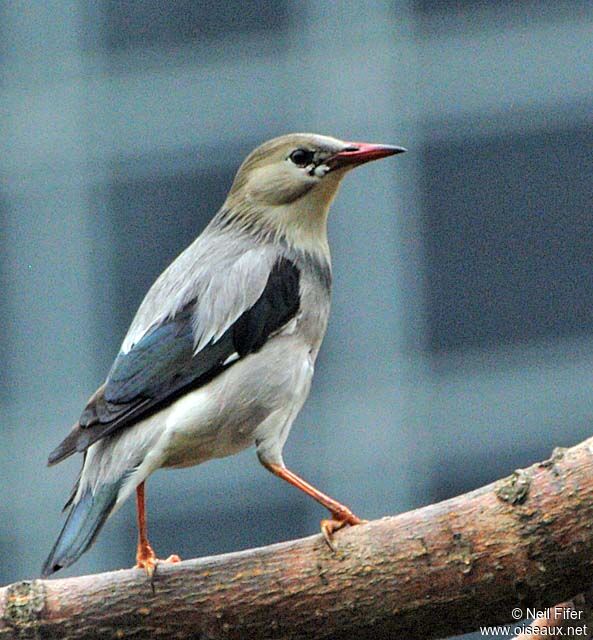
<point x="82" y="525"/>
<point x="67" y="447"/>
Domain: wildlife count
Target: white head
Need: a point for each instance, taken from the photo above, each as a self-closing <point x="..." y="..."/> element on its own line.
<point x="286" y="185"/>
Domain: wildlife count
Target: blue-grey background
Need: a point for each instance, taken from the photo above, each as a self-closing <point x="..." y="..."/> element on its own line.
<point x="461" y="340"/>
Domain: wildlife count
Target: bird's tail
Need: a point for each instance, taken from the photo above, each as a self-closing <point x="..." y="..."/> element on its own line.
<point x="82" y="525"/>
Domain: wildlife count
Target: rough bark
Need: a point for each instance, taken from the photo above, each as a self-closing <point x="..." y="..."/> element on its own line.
<point x="524" y="541"/>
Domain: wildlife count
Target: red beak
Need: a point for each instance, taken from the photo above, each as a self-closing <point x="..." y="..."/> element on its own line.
<point x="360" y="152"/>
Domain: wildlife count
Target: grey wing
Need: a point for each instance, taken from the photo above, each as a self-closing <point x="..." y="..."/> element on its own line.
<point x="165" y="362"/>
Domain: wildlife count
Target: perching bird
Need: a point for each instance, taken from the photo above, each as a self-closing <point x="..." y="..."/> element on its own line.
<point x="220" y="354"/>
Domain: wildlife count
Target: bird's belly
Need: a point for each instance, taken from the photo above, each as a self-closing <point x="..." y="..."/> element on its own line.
<point x="222" y="418"/>
<point x="197" y="432"/>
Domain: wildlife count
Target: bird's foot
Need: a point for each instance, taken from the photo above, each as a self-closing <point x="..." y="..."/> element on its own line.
<point x="146" y="559"/>
<point x="173" y="558"/>
<point x="339" y="520"/>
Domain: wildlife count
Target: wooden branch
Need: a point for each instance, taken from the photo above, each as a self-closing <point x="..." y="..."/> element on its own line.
<point x="525" y="541"/>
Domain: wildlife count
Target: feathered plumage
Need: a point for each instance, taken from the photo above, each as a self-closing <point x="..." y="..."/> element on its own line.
<point x="220" y="354"/>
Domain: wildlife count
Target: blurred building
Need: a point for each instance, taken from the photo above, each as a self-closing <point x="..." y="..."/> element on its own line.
<point x="461" y="340"/>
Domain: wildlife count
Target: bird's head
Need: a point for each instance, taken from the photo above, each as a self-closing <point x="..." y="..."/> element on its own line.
<point x="288" y="183"/>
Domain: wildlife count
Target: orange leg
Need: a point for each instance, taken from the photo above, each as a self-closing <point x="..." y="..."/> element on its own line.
<point x="145" y="556"/>
<point x="341" y="515"/>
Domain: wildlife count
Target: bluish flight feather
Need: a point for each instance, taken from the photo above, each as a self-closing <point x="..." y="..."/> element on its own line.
<point x="82" y="525"/>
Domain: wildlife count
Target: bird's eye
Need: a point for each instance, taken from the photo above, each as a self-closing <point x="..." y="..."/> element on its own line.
<point x="301" y="157"/>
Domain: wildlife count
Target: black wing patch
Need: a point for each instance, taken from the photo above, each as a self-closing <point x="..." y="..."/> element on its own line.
<point x="162" y="365"/>
<point x="279" y="303"/>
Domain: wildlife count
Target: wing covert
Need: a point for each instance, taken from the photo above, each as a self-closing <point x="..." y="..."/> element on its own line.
<point x="163" y="364"/>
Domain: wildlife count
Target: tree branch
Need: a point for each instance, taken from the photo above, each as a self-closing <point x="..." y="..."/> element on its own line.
<point x="524" y="541"/>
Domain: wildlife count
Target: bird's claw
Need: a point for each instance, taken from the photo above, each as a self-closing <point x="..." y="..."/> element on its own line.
<point x="148" y="564"/>
<point x="148" y="561"/>
<point x="173" y="558"/>
<point x="338" y="521"/>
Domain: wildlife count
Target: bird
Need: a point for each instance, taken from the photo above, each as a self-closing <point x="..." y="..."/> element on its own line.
<point x="221" y="352"/>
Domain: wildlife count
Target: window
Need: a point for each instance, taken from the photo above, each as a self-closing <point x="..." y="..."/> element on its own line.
<point x="158" y="22"/>
<point x="507" y="237"/>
